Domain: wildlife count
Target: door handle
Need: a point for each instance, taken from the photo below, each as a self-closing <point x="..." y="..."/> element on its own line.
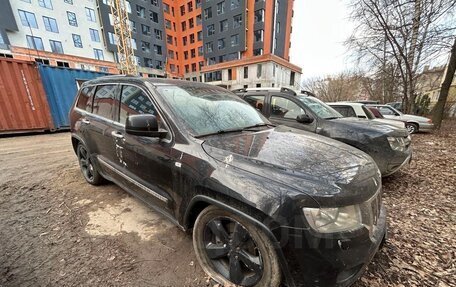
<point x="85" y="121"/>
<point x="117" y="134"/>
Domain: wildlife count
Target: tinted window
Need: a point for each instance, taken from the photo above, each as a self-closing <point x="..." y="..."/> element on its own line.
<point x="104" y="100"/>
<point x="85" y="99"/>
<point x="284" y="108"/>
<point x="386" y="111"/>
<point x="134" y="101"/>
<point x="205" y="110"/>
<point x="368" y="113"/>
<point x="345" y="111"/>
<point x="255" y="101"/>
<point x="376" y="112"/>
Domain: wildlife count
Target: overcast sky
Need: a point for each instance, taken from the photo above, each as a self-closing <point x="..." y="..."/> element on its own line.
<point x="319" y="29"/>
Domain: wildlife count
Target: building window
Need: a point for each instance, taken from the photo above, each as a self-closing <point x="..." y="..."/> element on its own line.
<point x="145" y="46"/>
<point x="168" y="24"/>
<point x="209" y="47"/>
<point x="50" y="24"/>
<point x="192" y="38"/>
<point x="28" y="19"/>
<point x="98" y="54"/>
<point x="132" y="26"/>
<point x="200" y="35"/>
<point x="246" y="72"/>
<point x="258" y="52"/>
<point x="208" y="13"/>
<point x="166" y="8"/>
<point x="145" y="29"/>
<point x="235" y="40"/>
<point x="186" y="55"/>
<point x="133" y="44"/>
<point x="158" y="65"/>
<point x="112" y="38"/>
<point x="235" y="4"/>
<point x="191" y="23"/>
<point x="182" y="10"/>
<point x="292" y="78"/>
<point x="259" y="70"/>
<point x="90" y="15"/>
<point x="77" y="40"/>
<point x="63" y="64"/>
<point x="72" y="19"/>
<point x="258" y="34"/>
<point x="56" y="46"/>
<point x="221" y="8"/>
<point x="169" y="39"/>
<point x="237" y="21"/>
<point x="154" y="2"/>
<point x="259" y="15"/>
<point x="198" y="3"/>
<point x="68" y="1"/>
<point x="171" y="54"/>
<point x="210" y="30"/>
<point x="45" y="3"/>
<point x="158" y="49"/>
<point x="35" y="43"/>
<point x="193" y="53"/>
<point x="194" y="70"/>
<point x="230" y="74"/>
<point x="199" y="19"/>
<point x="184" y="26"/>
<point x="153" y="16"/>
<point x="184" y="40"/>
<point x="200" y="51"/>
<point x="190" y="6"/>
<point x="221" y="44"/>
<point x="223" y="25"/>
<point x="94" y="35"/>
<point x="158" y="34"/>
<point x="140" y="11"/>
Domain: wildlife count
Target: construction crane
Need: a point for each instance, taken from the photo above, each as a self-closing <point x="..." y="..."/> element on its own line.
<point x="125" y="53"/>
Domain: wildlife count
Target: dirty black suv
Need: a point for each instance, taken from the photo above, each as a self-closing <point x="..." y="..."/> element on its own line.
<point x="268" y="205"/>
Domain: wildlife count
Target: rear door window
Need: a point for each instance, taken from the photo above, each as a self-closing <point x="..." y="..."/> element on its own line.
<point x="85" y="99"/>
<point x="134" y="101"/>
<point x="346" y="111"/>
<point x="386" y="111"/>
<point x="103" y="103"/>
<point x="256" y="101"/>
<point x="285" y="108"/>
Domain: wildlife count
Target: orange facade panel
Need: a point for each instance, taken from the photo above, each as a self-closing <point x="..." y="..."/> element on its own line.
<point x="23" y="104"/>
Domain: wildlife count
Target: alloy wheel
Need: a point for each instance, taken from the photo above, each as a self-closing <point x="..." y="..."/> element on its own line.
<point x="85" y="163"/>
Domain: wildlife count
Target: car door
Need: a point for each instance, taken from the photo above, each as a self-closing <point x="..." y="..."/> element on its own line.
<point x="100" y="126"/>
<point x="145" y="161"/>
<point x="283" y="111"/>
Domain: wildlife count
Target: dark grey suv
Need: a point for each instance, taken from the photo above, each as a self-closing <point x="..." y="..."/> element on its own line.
<point x="268" y="205"/>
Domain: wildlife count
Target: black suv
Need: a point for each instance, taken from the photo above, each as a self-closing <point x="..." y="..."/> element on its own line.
<point x="267" y="205"/>
<point x="389" y="146"/>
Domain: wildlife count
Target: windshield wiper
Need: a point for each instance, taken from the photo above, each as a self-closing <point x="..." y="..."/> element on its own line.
<point x="249" y="128"/>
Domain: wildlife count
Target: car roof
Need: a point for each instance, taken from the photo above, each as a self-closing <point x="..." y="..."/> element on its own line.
<point x="154" y="81"/>
<point x="346" y="104"/>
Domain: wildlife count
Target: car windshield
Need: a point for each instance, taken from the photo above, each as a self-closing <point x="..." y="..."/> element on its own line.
<point x="208" y="110"/>
<point x="321" y="109"/>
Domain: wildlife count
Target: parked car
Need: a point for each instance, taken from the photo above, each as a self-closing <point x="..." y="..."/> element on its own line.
<point x="396" y="105"/>
<point x="358" y="110"/>
<point x="267" y="205"/>
<point x="389" y="146"/>
<point x="413" y="123"/>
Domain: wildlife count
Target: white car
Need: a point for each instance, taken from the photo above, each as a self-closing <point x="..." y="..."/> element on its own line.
<point x="359" y="110"/>
<point x="413" y="123"/>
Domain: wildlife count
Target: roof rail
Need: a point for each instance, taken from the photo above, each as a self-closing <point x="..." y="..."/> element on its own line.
<point x="287" y="90"/>
<point x="241" y="90"/>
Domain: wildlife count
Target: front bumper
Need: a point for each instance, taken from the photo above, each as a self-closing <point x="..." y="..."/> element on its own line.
<point x="337" y="261"/>
<point x="425" y="127"/>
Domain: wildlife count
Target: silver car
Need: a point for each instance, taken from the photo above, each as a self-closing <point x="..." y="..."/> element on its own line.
<point x="412" y="123"/>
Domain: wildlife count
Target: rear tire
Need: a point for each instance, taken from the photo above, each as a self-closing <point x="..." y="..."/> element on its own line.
<point x="232" y="251"/>
<point x="411" y="128"/>
<point x="88" y="169"/>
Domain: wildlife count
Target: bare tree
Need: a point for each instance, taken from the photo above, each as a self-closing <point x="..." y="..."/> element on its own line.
<point x="344" y="86"/>
<point x="405" y="34"/>
<point x="437" y="114"/>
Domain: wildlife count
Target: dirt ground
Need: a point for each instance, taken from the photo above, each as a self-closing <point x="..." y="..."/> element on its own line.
<point x="56" y="230"/>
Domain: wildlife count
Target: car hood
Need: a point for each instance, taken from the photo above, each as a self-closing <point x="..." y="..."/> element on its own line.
<point x="327" y="170"/>
<point x="365" y="127"/>
<point x="396" y="123"/>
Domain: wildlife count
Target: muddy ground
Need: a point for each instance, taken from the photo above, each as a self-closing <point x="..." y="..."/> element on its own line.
<point x="56" y="230"/>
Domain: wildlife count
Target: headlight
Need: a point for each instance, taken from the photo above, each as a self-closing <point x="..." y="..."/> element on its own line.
<point x="330" y="220"/>
<point x="398" y="144"/>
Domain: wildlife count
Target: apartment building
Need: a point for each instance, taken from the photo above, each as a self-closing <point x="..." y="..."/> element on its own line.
<point x="63" y="33"/>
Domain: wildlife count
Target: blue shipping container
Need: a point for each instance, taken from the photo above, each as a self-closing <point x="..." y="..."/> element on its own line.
<point x="61" y="86"/>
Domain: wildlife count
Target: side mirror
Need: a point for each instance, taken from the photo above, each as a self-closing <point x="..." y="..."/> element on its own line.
<point x="304" y="119"/>
<point x="144" y="125"/>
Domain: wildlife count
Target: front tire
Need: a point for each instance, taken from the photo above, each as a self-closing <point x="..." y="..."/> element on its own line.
<point x="88" y="169"/>
<point x="411" y="128"/>
<point x="231" y="250"/>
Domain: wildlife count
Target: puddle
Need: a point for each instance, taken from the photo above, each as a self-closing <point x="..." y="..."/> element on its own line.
<point x="129" y="215"/>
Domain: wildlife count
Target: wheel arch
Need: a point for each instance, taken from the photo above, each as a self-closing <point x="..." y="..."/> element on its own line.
<point x="75" y="141"/>
<point x="199" y="202"/>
